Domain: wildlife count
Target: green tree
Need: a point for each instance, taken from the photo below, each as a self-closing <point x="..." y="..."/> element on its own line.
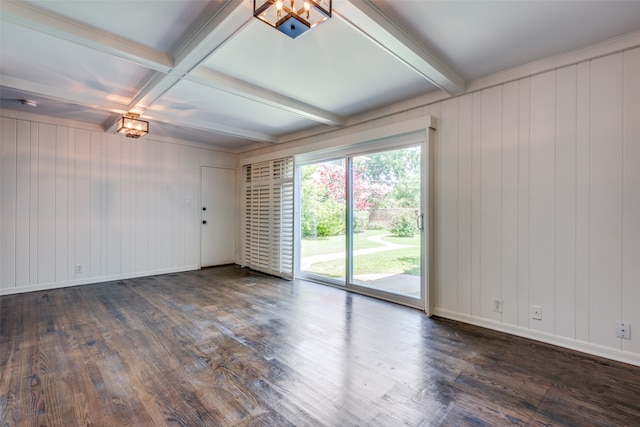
<point x="398" y="170"/>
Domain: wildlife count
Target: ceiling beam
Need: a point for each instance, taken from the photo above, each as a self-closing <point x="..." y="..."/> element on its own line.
<point x="223" y="82"/>
<point x="97" y="102"/>
<point x="31" y="17"/>
<point x="204" y="40"/>
<point x="373" y="24"/>
<point x="217" y="128"/>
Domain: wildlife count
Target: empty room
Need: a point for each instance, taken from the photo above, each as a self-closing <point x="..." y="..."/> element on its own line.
<point x="319" y="213"/>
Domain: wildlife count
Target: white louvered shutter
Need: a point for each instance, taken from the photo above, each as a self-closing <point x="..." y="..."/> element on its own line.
<point x="268" y="240"/>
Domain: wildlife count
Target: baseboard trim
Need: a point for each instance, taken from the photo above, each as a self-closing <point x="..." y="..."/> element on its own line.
<point x="581" y="346"/>
<point x="93" y="280"/>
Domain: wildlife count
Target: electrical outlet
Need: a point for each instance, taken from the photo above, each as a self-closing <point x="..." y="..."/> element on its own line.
<point x="623" y="330"/>
<point x="78" y="268"/>
<point x="497" y="305"/>
<point x="536" y="312"/>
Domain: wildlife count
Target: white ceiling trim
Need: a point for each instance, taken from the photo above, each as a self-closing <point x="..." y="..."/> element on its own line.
<point x="223" y="82"/>
<point x="608" y="47"/>
<point x="41" y="118"/>
<point x="64" y="95"/>
<point x="373" y="24"/>
<point x="47" y="23"/>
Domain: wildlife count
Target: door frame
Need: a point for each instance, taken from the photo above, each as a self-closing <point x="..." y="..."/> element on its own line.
<point x="415" y="132"/>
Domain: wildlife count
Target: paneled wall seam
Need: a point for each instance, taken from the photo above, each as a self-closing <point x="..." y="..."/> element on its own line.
<point x="575" y="208"/>
<point x="555" y="202"/>
<point x="622" y="168"/>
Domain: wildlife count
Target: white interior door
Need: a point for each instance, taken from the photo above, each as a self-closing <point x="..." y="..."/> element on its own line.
<point x="218" y="222"/>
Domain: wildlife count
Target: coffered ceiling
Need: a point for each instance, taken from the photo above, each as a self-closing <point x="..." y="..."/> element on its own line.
<point x="207" y="71"/>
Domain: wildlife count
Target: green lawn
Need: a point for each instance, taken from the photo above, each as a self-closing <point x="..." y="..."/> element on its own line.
<point x="335" y="244"/>
<point x="412" y="241"/>
<point x="395" y="261"/>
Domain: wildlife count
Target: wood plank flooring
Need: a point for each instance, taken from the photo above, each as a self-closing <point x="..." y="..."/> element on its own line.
<point x="230" y="347"/>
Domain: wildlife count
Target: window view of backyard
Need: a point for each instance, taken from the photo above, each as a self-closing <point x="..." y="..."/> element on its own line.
<point x="385" y="207"/>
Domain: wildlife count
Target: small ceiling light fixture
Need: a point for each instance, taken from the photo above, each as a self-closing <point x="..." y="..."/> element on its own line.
<point x="29" y="103"/>
<point x="131" y="126"/>
<point x="292" y="17"/>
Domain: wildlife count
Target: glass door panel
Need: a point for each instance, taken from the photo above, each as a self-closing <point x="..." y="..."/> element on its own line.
<point x="323" y="220"/>
<point x="360" y="223"/>
<point x="386" y="207"/>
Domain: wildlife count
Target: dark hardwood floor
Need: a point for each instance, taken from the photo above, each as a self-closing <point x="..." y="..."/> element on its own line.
<point x="229" y="347"/>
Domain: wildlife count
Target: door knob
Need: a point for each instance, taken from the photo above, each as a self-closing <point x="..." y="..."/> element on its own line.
<point x="204" y="209"/>
<point x="204" y="222"/>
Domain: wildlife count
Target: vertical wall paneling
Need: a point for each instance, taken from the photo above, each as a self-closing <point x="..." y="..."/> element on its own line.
<point x="46" y="213"/>
<point x="446" y="238"/>
<point x="509" y="203"/>
<point x="96" y="201"/>
<point x="542" y="200"/>
<point x="179" y="205"/>
<point x="33" y="203"/>
<point x="192" y="206"/>
<point x="113" y="205"/>
<point x="163" y="180"/>
<point x="165" y="193"/>
<point x="71" y="197"/>
<point x="523" y="201"/>
<point x="169" y="188"/>
<point x="23" y="168"/>
<point x="177" y="252"/>
<point x="465" y="137"/>
<point x="104" y="204"/>
<point x="96" y="204"/>
<point x="476" y="204"/>
<point x="631" y="198"/>
<point x="141" y="204"/>
<point x="606" y="199"/>
<point x="583" y="140"/>
<point x="82" y="204"/>
<point x="153" y="182"/>
<point x="60" y="196"/>
<point x="126" y="219"/>
<point x="491" y="199"/>
<point x="7" y="203"/>
<point x="565" y="203"/>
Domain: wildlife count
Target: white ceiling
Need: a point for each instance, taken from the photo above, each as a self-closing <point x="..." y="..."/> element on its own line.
<point x="206" y="71"/>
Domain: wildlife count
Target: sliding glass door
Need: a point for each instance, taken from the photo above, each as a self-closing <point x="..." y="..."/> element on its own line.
<point x="361" y="223"/>
<point x="323" y="220"/>
<point x="386" y="208"/>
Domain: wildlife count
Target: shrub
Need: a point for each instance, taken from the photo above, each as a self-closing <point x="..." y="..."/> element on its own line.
<point x="360" y="220"/>
<point x="404" y="225"/>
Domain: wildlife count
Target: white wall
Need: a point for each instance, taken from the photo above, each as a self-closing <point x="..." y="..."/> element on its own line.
<point x="117" y="206"/>
<point x="537" y="199"/>
<point x="538" y="203"/>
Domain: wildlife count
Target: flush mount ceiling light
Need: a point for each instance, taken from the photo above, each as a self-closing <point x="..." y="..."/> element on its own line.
<point x="292" y="17"/>
<point x="29" y="102"/>
<point x="131" y="126"/>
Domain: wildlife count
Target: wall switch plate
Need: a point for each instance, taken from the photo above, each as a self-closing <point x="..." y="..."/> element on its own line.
<point x="623" y="330"/>
<point x="536" y="312"/>
<point x="497" y="305"/>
